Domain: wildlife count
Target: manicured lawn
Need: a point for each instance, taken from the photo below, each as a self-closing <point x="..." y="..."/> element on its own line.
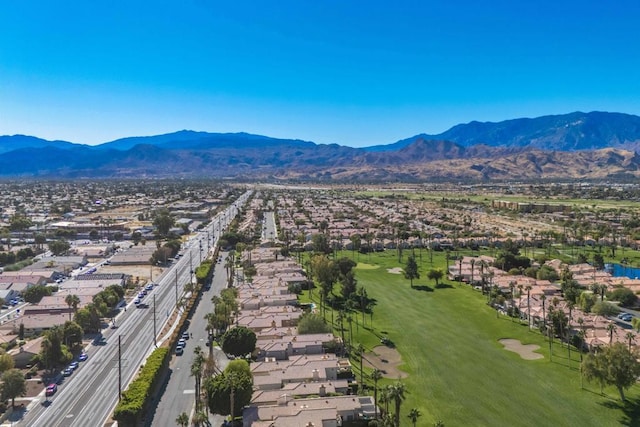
<point x="460" y="373"/>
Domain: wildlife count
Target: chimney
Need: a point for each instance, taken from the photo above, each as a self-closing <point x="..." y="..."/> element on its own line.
<point x="316" y="375"/>
<point x="323" y="391"/>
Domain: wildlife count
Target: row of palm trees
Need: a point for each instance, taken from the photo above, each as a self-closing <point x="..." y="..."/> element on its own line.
<point x="391" y="394"/>
<point x="201" y="367"/>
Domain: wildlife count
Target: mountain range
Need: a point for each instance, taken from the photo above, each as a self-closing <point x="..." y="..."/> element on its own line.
<point x="595" y="145"/>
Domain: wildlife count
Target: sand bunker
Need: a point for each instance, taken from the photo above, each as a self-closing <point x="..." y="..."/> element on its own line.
<point x="525" y="351"/>
<point x="395" y="270"/>
<point x="385" y="359"/>
<point x="362" y="266"/>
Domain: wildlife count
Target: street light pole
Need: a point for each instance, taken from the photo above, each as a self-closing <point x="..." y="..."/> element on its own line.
<point x="176" y="288"/>
<point x="119" y="368"/>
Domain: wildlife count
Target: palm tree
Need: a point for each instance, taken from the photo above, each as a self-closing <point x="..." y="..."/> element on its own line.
<point x="340" y="319"/>
<point x="512" y="286"/>
<point x="182" y="420"/>
<point x="473" y="263"/>
<point x="199" y="418"/>
<point x="72" y="301"/>
<point x="397" y="393"/>
<point x="611" y="328"/>
<point x="414" y="414"/>
<point x="550" y="332"/>
<point x="360" y="353"/>
<point x="543" y="298"/>
<point x="385" y="398"/>
<point x="630" y="336"/>
<point x="196" y="371"/>
<point x="568" y="336"/>
<point x="582" y="335"/>
<point x="375" y="375"/>
<point x="528" y="289"/>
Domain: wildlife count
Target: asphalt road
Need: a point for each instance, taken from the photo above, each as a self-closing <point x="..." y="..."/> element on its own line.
<point x="269" y="228"/>
<point x="179" y="391"/>
<point x="89" y="395"/>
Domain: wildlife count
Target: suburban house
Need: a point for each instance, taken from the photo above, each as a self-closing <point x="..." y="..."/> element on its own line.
<point x="23" y="355"/>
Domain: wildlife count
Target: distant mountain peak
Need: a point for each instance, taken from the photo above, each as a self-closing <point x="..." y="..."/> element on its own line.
<point x="603" y="145"/>
<point x="562" y="132"/>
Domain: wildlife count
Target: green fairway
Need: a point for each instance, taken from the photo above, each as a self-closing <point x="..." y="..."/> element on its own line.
<point x="458" y="371"/>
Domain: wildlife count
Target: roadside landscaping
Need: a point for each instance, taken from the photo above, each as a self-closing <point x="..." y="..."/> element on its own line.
<point x="458" y="371"/>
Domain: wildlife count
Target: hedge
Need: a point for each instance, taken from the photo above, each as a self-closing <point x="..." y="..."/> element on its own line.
<point x="130" y="408"/>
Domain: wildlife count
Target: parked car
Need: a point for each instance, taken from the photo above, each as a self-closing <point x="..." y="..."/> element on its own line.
<point x="83" y="357"/>
<point x="67" y="372"/>
<point x="185" y="335"/>
<point x="179" y="351"/>
<point x="182" y="342"/>
<point x="73" y="365"/>
<point x="627" y="317"/>
<point x="51" y="389"/>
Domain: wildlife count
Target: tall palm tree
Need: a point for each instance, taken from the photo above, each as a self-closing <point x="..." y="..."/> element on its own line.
<point x="568" y="333"/>
<point x="375" y="375"/>
<point x="397" y="393"/>
<point x="72" y="301"/>
<point x="196" y="372"/>
<point x="512" y="286"/>
<point x="543" y="298"/>
<point x="473" y="263"/>
<point x="582" y="335"/>
<point x="182" y="420"/>
<point x="385" y="399"/>
<point x="340" y="319"/>
<point x="528" y="289"/>
<point x="611" y="328"/>
<point x="630" y="336"/>
<point x="360" y="353"/>
<point x="414" y="414"/>
<point x="550" y="332"/>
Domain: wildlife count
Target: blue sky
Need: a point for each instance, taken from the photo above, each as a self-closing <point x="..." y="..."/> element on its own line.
<point x="333" y="71"/>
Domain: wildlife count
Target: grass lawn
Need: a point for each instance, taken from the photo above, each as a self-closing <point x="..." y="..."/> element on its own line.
<point x="458" y="371"/>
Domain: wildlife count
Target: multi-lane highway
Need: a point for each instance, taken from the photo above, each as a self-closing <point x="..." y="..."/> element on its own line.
<point x="89" y="395"/>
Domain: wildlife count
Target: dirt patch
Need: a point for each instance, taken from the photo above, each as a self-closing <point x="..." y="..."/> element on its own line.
<point x="395" y="270"/>
<point x="526" y="351"/>
<point x="143" y="272"/>
<point x="386" y="360"/>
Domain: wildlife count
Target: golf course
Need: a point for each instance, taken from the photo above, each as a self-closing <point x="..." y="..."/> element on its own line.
<point x="457" y="370"/>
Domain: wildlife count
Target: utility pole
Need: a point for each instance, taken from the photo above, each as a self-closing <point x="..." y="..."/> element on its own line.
<point x="176" y="288"/>
<point x="191" y="266"/>
<point x="119" y="368"/>
<point x="155" y="334"/>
